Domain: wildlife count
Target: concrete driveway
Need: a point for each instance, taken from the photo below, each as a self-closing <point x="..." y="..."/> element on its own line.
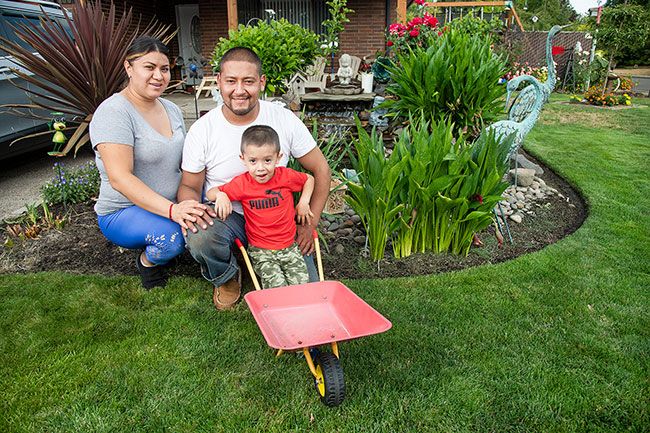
<point x="21" y="178"/>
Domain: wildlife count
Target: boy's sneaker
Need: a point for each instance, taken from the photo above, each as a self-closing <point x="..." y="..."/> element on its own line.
<point x="154" y="276"/>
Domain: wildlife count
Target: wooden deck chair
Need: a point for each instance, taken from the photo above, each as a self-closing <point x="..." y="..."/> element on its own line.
<point x="355" y="64"/>
<point x="315" y="75"/>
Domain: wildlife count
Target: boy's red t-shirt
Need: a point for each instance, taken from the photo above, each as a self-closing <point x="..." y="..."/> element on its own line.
<point x="268" y="207"/>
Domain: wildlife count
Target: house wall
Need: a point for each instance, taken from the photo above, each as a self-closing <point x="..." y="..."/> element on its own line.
<point x="214" y="24"/>
<point x="364" y="35"/>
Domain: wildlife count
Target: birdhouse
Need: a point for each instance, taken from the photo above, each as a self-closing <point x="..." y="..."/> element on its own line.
<point x="297" y="84"/>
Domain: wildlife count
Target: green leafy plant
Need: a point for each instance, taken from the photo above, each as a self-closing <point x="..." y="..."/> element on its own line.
<point x="374" y="197"/>
<point x="76" y="63"/>
<point x="455" y="79"/>
<point x="334" y="25"/>
<point x="453" y="187"/>
<point x="75" y="185"/>
<point x="284" y="49"/>
<point x="432" y="193"/>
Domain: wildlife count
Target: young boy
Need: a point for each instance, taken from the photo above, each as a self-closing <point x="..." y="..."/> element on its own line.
<point x="265" y="192"/>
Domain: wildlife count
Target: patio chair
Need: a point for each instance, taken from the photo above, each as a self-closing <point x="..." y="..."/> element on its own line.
<point x="315" y="75"/>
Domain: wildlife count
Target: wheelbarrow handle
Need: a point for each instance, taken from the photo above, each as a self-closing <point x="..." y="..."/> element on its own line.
<point x="319" y="259"/>
<point x="240" y="245"/>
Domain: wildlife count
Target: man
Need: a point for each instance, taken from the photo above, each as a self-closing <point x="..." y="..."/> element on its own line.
<point x="211" y="158"/>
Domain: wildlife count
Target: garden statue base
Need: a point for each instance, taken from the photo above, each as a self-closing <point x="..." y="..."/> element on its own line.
<point x="337" y="87"/>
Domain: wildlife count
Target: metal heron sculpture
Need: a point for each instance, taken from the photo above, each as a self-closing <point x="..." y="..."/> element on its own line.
<point x="522" y="105"/>
<point x="522" y="127"/>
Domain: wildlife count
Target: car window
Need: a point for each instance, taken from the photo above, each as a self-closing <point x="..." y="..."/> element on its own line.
<point x="12" y="22"/>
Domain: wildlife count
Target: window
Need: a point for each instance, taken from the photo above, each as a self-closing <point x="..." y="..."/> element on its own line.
<point x="308" y="13"/>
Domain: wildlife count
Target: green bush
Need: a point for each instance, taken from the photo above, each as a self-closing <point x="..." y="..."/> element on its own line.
<point x="455" y="79"/>
<point x="284" y="49"/>
<point x="75" y="185"/>
<point x="431" y="194"/>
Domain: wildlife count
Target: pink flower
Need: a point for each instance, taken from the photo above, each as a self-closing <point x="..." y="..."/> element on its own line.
<point x="420" y="2"/>
<point x="414" y="33"/>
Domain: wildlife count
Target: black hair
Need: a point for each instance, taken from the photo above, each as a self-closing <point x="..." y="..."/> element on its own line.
<point x="260" y="135"/>
<point x="143" y="45"/>
<point x="241" y="54"/>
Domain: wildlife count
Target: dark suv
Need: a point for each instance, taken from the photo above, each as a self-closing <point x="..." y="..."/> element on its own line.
<point x="15" y="13"/>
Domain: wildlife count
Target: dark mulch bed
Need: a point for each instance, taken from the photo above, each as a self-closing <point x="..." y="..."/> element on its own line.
<point x="80" y="248"/>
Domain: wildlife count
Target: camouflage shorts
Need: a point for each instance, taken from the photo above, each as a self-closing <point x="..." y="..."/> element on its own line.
<point x="279" y="267"/>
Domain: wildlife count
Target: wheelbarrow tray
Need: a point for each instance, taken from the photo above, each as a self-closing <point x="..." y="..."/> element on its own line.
<point x="307" y="315"/>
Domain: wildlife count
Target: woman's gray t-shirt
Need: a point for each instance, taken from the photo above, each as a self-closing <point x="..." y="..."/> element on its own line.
<point x="156" y="158"/>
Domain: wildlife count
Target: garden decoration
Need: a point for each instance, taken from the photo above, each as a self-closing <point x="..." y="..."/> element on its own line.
<point x="344" y="74"/>
<point x="306" y="316"/>
<point x="58" y="139"/>
<point x="523" y="104"/>
<point x="83" y="55"/>
<point x="520" y="128"/>
<point x="345" y="82"/>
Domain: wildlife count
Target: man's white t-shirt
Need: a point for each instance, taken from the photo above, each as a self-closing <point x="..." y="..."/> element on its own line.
<point x="213" y="143"/>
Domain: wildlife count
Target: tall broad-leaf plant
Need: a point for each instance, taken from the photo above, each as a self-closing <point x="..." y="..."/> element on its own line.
<point x="453" y="77"/>
<point x="76" y="62"/>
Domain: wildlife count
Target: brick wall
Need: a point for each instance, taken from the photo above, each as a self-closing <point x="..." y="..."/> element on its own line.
<point x="531" y="47"/>
<point x="214" y="24"/>
<point x="365" y="33"/>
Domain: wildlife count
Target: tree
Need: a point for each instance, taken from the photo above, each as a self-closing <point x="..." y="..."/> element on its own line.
<point x="624" y="31"/>
<point x="548" y="13"/>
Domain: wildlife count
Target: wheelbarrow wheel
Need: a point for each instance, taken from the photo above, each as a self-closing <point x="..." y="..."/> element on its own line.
<point x="329" y="380"/>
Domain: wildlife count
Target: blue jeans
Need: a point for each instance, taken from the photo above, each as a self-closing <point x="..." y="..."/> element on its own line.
<point x="213" y="247"/>
<point x="136" y="228"/>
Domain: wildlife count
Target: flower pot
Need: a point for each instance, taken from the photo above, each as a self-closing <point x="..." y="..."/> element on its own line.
<point x="367" y="81"/>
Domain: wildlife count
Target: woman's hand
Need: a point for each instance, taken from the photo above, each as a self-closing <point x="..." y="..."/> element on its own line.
<point x="190" y="213"/>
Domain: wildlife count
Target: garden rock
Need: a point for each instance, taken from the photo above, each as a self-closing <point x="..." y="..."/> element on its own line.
<point x="525" y="176"/>
<point x="523" y="162"/>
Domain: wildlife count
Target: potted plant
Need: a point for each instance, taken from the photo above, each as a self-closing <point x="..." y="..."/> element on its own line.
<point x="366" y="76"/>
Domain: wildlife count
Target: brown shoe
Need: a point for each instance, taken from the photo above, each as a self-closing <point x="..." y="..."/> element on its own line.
<point x="226" y="296"/>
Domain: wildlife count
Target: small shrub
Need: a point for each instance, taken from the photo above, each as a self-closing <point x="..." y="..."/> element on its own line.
<point x="75" y="185"/>
<point x="575" y="99"/>
<point x="625" y="99"/>
<point x="626" y="83"/>
<point x="595" y="96"/>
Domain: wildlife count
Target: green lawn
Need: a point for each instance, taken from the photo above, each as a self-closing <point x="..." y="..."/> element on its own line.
<point x="556" y="341"/>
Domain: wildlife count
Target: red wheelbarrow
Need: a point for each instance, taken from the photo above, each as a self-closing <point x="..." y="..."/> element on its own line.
<point x="307" y="316"/>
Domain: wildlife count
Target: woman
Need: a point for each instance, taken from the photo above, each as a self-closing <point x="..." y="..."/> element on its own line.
<point x="138" y="141"/>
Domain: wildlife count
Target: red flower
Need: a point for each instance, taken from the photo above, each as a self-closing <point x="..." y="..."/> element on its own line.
<point x="557" y="50"/>
<point x="416" y="22"/>
<point x="396" y="28"/>
<point x="389" y="43"/>
<point x="414" y="33"/>
<point x="478" y="198"/>
<point x="430" y="20"/>
<point x="420" y="2"/>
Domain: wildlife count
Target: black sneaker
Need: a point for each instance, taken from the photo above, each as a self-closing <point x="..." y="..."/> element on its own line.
<point x="154" y="276"/>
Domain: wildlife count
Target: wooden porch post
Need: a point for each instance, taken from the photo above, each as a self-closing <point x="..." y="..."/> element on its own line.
<point x="233" y="20"/>
<point x="401" y="11"/>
